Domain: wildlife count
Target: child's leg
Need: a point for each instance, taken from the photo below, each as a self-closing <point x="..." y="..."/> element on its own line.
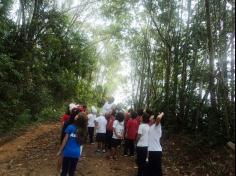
<point x="59" y="164"/>
<point x="92" y="135"/>
<point x="112" y="153"/>
<point x="110" y="140"/>
<point x="72" y="167"/>
<point x="131" y="147"/>
<point x="141" y="161"/>
<point x="103" y="145"/>
<point x="116" y="153"/>
<point x="104" y="142"/>
<point x="65" y="166"/>
<point x="81" y="149"/>
<point x="99" y="146"/>
<point x="155" y="167"/>
<point x="159" y="163"/>
<point x="89" y="134"/>
<point x="126" y="146"/>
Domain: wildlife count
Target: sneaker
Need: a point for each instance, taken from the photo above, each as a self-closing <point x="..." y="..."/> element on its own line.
<point x="98" y="151"/>
<point x="125" y="155"/>
<point x="103" y="151"/>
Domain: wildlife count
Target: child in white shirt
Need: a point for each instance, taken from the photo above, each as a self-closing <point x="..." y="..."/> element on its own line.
<point x="118" y="134"/>
<point x="142" y="145"/>
<point x="100" y="124"/>
<point x="154" y="147"/>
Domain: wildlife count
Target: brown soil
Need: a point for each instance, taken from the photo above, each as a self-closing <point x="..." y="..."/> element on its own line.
<point x="34" y="154"/>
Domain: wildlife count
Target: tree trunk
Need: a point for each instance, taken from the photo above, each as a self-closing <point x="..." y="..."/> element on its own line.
<point x="167" y="80"/>
<point x="211" y="57"/>
<point x="23" y="27"/>
<point x="232" y="69"/>
<point x="184" y="69"/>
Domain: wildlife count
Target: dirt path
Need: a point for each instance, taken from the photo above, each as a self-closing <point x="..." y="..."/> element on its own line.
<point x="34" y="154"/>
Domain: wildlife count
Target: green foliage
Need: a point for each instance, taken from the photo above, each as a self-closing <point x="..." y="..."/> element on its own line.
<point x="49" y="113"/>
<point x="44" y="62"/>
<point x="168" y="46"/>
<point x="24" y="118"/>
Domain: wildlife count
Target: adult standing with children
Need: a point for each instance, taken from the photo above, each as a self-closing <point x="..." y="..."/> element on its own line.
<point x="108" y="106"/>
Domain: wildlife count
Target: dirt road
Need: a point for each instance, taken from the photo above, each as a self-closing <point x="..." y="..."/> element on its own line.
<point x="34" y="154"/>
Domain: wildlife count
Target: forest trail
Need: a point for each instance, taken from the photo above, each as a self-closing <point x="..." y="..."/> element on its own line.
<point x="34" y="154"/>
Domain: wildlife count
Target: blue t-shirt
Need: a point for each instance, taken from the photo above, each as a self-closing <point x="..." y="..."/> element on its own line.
<point x="72" y="147"/>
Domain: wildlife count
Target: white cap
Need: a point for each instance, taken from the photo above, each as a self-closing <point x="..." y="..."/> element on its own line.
<point x="94" y="110"/>
<point x="72" y="106"/>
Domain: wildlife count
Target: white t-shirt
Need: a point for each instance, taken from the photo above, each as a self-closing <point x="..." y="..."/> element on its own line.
<point x="107" y="107"/>
<point x="91" y="120"/>
<point x="118" y="127"/>
<point x="102" y="124"/>
<point x="144" y="132"/>
<point x="155" y="134"/>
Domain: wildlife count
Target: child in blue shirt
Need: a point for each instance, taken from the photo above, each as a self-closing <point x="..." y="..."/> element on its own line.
<point x="70" y="148"/>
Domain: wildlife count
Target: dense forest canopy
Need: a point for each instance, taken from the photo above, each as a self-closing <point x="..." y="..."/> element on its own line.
<point x="167" y="55"/>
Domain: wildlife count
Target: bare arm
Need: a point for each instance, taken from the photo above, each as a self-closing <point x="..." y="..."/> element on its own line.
<point x="96" y="124"/>
<point x="123" y="134"/>
<point x="159" y="117"/>
<point x="138" y="138"/>
<point x="114" y="130"/>
<point x="63" y="144"/>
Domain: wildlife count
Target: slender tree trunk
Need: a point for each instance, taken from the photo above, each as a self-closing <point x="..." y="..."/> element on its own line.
<point x="232" y="68"/>
<point x="232" y="73"/>
<point x="175" y="77"/>
<point x="211" y="56"/>
<point x="167" y="79"/>
<point x="183" y="95"/>
<point x="23" y="27"/>
<point x="224" y="89"/>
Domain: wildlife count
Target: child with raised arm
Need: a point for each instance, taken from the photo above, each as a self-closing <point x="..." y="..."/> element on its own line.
<point x="154" y="147"/>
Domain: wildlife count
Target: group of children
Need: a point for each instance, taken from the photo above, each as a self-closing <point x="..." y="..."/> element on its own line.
<point x="138" y="133"/>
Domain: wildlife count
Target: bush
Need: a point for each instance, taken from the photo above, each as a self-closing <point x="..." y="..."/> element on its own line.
<point x="49" y="113"/>
<point x="24" y="118"/>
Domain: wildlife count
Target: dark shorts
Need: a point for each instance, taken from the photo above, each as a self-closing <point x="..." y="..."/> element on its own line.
<point x="115" y="142"/>
<point x="101" y="137"/>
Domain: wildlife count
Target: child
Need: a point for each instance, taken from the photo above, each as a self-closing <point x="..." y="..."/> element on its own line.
<point x="66" y="116"/>
<point x="70" y="147"/>
<point x="142" y="145"/>
<point x="68" y="122"/>
<point x="118" y="134"/>
<point x="154" y="147"/>
<point x="91" y="124"/>
<point x="131" y="134"/>
<point x="140" y="114"/>
<point x="109" y="132"/>
<point x="100" y="124"/>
